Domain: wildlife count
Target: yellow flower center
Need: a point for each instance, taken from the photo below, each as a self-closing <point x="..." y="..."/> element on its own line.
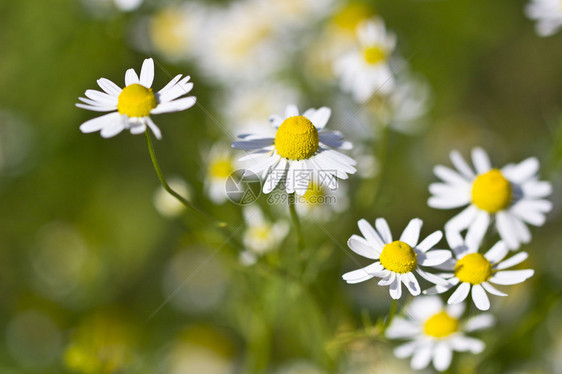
<point x="260" y="233"/>
<point x="136" y="101"/>
<point x="473" y="268"/>
<point x="351" y="15"/>
<point x="297" y="138"/>
<point x="441" y="325"/>
<point x="399" y="257"/>
<point x="314" y="194"/>
<point x="221" y="168"/>
<point x="491" y="191"/>
<point x="374" y="55"/>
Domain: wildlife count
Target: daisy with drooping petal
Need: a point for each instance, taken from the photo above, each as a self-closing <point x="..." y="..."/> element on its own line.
<point x="547" y="13"/>
<point x="261" y="236"/>
<point x="366" y="70"/>
<point x="435" y="331"/>
<point x="300" y="151"/>
<point x="132" y="106"/>
<point x="474" y="271"/>
<point x="512" y="195"/>
<point x="396" y="260"/>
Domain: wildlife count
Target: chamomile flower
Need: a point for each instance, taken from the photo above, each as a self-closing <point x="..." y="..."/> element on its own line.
<point x="221" y="164"/>
<point x="512" y="195"/>
<point x="473" y="271"/>
<point x="547" y="14"/>
<point x="299" y="151"/>
<point x="261" y="236"/>
<point x="366" y="70"/>
<point x="132" y="106"/>
<point x="319" y="203"/>
<point x="396" y="260"/>
<point x="435" y="331"/>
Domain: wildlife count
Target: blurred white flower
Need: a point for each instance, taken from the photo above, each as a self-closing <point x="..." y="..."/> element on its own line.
<point x="397" y="260"/>
<point x="131" y="106"/>
<point x="366" y="71"/>
<point x="107" y="5"/>
<point x="261" y="236"/>
<point x="435" y="331"/>
<point x="321" y="202"/>
<point x="547" y="14"/>
<point x="299" y="151"/>
<point x="176" y="30"/>
<point x="513" y="195"/>
<point x="472" y="270"/>
<point x="220" y="165"/>
<point x="240" y="43"/>
<point x="166" y="204"/>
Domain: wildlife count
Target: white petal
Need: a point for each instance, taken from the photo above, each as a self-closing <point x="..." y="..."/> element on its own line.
<point x="252" y="144"/>
<point x="442" y="356"/>
<point x="480" y="160"/>
<point x="147" y="73"/>
<point x="461" y="165"/>
<point x="275" y="176"/>
<point x="138" y="129"/>
<point x="435" y="257"/>
<point x="175" y="106"/>
<point x="101" y="98"/>
<point x="384" y="230"/>
<point x="113" y="128"/>
<point x="98" y="123"/>
<point x="462" y="220"/>
<point x="435" y="279"/>
<point x="506" y="229"/>
<point x="459" y="294"/>
<point x="170" y="84"/>
<point x="291" y="111"/>
<point x="422" y="357"/>
<point x="430" y="241"/>
<point x="449" y="175"/>
<point x="493" y="290"/>
<point x="464" y="343"/>
<point x="109" y="87"/>
<point x="536" y="189"/>
<point x="406" y="349"/>
<point x="131" y="77"/>
<point x="388" y="280"/>
<point x="523" y="171"/>
<point x="155" y="130"/>
<point x="477" y="230"/>
<point x="479" y="322"/>
<point x="411" y="283"/>
<point x="334" y="139"/>
<point x="320" y="117"/>
<point x="411" y="233"/>
<point x="497" y="252"/>
<point x="370" y="234"/>
<point x="454" y="239"/>
<point x="396" y="288"/>
<point x="363" y="274"/>
<point x="480" y="297"/>
<point x="447" y="202"/>
<point x="362" y="247"/>
<point x="509" y="277"/>
<point x="512" y="261"/>
<point x="96" y="108"/>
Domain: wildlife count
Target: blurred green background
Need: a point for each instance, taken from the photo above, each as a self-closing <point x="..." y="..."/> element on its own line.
<point x="86" y="260"/>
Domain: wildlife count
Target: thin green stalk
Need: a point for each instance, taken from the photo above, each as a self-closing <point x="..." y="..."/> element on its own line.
<point x="180" y="198"/>
<point x="391" y="314"/>
<point x="296" y="222"/>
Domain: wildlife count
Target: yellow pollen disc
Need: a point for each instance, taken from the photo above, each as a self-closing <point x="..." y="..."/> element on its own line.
<point x="491" y="191"/>
<point x="440" y="325"/>
<point x="374" y="55"/>
<point x="399" y="257"/>
<point x="473" y="268"/>
<point x="221" y="168"/>
<point x="136" y="101"/>
<point x="297" y="138"/>
<point x="351" y="15"/>
<point x="261" y="233"/>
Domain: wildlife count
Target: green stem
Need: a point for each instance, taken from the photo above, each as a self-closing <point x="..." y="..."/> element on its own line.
<point x="296" y="222"/>
<point x="391" y="314"/>
<point x="180" y="198"/>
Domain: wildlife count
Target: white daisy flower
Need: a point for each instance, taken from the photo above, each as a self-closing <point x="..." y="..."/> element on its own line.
<point x="512" y="195"/>
<point x="299" y="152"/>
<point x="365" y="71"/>
<point x="396" y="260"/>
<point x="168" y="205"/>
<point x="474" y="271"/>
<point x="435" y="331"/>
<point x="220" y="165"/>
<point x="261" y="236"/>
<point x="132" y="106"/>
<point x="319" y="203"/>
<point x="547" y="13"/>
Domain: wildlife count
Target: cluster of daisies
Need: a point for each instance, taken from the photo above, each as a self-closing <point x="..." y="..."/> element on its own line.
<point x="502" y="201"/>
